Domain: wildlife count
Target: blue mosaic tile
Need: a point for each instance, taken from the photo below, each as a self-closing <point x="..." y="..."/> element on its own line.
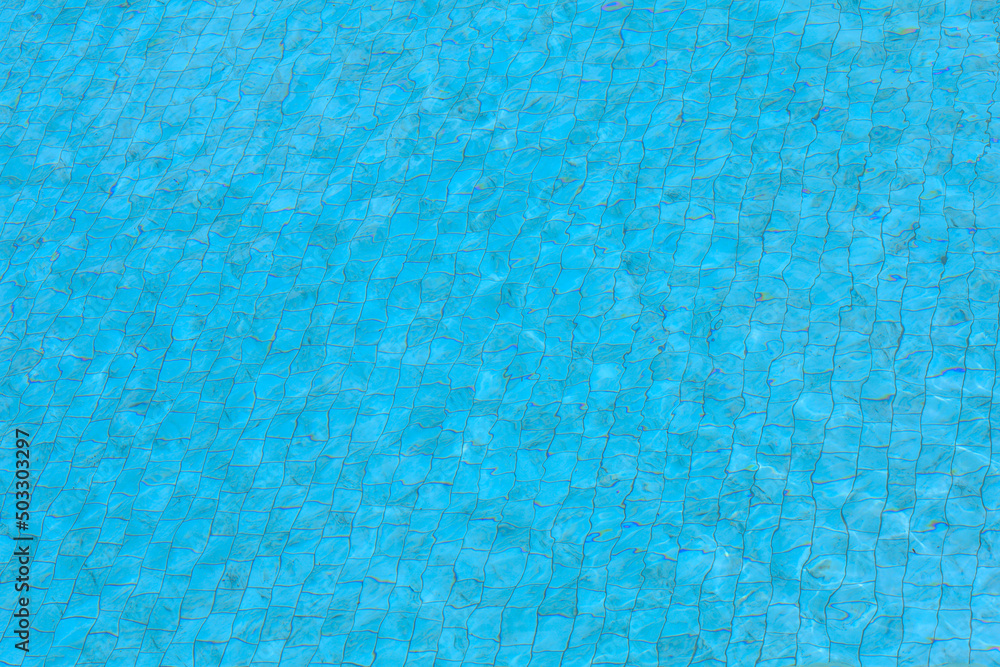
<point x="501" y="334"/>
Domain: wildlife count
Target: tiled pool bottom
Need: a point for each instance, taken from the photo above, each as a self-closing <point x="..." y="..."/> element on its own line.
<point x="502" y="334"/>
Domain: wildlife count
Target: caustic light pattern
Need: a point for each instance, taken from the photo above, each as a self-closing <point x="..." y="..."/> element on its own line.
<point x="520" y="334"/>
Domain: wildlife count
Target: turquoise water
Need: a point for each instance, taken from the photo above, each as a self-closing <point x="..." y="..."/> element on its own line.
<point x="431" y="333"/>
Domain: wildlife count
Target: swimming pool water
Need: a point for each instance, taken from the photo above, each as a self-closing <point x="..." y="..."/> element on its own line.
<point x="489" y="333"/>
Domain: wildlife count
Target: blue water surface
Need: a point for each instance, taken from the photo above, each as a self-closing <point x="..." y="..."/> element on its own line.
<point x="496" y="333"/>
